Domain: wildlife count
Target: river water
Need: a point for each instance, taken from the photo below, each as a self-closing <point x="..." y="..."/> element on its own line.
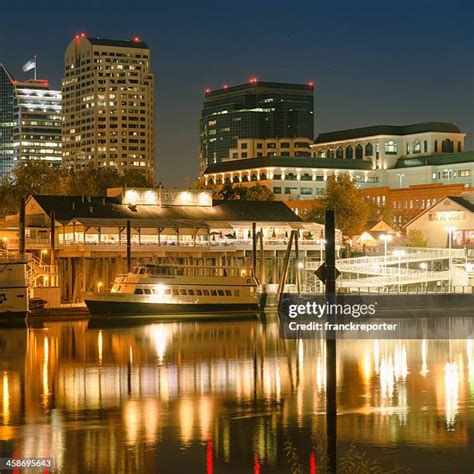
<point x="230" y="398"/>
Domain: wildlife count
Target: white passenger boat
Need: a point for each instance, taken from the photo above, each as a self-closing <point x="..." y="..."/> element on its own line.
<point x="13" y="287"/>
<point x="166" y="289"/>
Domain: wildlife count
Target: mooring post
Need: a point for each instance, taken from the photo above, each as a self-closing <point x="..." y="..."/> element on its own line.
<point x="331" y="393"/>
<point x="254" y="249"/>
<point x="22" y="227"/>
<point x="52" y="246"/>
<point x="129" y="246"/>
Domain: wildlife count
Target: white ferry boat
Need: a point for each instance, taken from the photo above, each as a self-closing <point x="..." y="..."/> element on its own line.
<point x="166" y="289"/>
<point x="13" y="287"/>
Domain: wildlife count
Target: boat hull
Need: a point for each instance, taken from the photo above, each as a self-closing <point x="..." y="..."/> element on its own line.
<point x="133" y="308"/>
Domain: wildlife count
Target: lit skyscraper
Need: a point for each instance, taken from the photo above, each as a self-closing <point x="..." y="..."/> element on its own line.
<point x="256" y="119"/>
<point x="30" y="122"/>
<point x="108" y="105"/>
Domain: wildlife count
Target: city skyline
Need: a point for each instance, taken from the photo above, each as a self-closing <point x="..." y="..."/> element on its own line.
<point x="430" y="81"/>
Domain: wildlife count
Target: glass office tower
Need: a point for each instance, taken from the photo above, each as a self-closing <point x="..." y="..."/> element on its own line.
<point x="256" y="110"/>
<point x="30" y="122"/>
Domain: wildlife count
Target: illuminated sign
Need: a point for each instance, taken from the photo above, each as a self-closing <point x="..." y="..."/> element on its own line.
<point x="447" y="215"/>
<point x="167" y="197"/>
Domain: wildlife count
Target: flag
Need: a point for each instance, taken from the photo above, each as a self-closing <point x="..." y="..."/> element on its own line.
<point x="28" y="66"/>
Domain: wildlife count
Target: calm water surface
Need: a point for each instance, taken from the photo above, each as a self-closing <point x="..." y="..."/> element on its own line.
<point x="229" y="398"/>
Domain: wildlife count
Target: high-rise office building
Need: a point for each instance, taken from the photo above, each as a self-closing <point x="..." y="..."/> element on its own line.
<point x="108" y="105"/>
<point x="256" y="117"/>
<point x="30" y="122"/>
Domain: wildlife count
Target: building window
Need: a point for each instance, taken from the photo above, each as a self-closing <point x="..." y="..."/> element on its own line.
<point x="330" y="153"/>
<point x="277" y="190"/>
<point x="263" y="176"/>
<point x="459" y="147"/>
<point x="416" y="147"/>
<point x="359" y="154"/>
<point x="277" y="176"/>
<point x="271" y="145"/>
<point x="235" y="179"/>
<point x="290" y="176"/>
<point x="340" y="152"/>
<point x="425" y="146"/>
<point x="285" y="145"/>
<point x="306" y="191"/>
<point x="369" y="149"/>
<point x="434" y="175"/>
<point x="321" y="154"/>
<point x="391" y="148"/>
<point x="306" y="177"/>
<point x="349" y="152"/>
<point x="259" y="146"/>
<point x="243" y="146"/>
<point x="447" y="146"/>
<point x="244" y="154"/>
<point x="464" y="173"/>
<point x="436" y="146"/>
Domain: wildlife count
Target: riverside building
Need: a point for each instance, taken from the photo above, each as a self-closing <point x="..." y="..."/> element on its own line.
<point x="421" y="154"/>
<point x="108" y="105"/>
<point x="30" y="122"/>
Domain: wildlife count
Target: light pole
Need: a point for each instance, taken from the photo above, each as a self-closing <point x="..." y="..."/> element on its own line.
<point x="399" y="254"/>
<point x="450" y="230"/>
<point x="424" y="266"/>
<point x="386" y="239"/>
<point x="400" y="178"/>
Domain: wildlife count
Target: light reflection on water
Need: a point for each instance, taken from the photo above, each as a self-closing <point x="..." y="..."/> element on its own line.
<point x="228" y="397"/>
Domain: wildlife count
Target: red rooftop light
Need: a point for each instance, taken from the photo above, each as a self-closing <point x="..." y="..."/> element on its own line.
<point x="207" y="90"/>
<point x="253" y="80"/>
<point x="137" y="39"/>
<point x="311" y="83"/>
<point x="225" y="86"/>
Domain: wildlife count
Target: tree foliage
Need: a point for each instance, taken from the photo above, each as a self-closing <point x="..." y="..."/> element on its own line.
<point x="244" y="193"/>
<point x="416" y="238"/>
<point x="352" y="211"/>
<point x="37" y="177"/>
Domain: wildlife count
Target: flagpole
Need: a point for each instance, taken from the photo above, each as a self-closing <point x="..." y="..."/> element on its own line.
<point x="35" y="67"/>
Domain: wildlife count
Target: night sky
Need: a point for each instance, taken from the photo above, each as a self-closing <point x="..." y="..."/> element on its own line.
<point x="373" y="62"/>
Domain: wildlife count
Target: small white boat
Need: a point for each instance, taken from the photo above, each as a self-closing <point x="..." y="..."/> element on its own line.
<point x="166" y="289"/>
<point x="13" y="287"/>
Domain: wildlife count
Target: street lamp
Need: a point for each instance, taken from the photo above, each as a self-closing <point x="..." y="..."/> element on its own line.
<point x="99" y="286"/>
<point x="386" y="239"/>
<point x="424" y="266"/>
<point x="399" y="254"/>
<point x="450" y="230"/>
<point x="400" y="178"/>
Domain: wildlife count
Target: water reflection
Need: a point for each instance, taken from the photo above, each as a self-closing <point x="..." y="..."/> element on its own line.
<point x="193" y="397"/>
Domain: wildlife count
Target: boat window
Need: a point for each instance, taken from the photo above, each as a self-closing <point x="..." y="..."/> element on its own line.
<point x="138" y="291"/>
<point x="236" y="292"/>
<point x="182" y="292"/>
<point x="198" y="292"/>
<point x="191" y="292"/>
<point x="206" y="292"/>
<point x="213" y="292"/>
<point x="228" y="293"/>
<point x="175" y="292"/>
<point x="168" y="292"/>
<point x="221" y="292"/>
<point x="147" y="291"/>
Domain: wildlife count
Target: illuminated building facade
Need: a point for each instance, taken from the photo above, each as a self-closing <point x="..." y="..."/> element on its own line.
<point x="383" y="145"/>
<point x="30" y="122"/>
<point x="453" y="214"/>
<point x="108" y="105"/>
<point x="255" y="120"/>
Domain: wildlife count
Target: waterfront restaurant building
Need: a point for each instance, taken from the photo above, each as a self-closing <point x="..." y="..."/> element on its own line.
<point x="185" y="227"/>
